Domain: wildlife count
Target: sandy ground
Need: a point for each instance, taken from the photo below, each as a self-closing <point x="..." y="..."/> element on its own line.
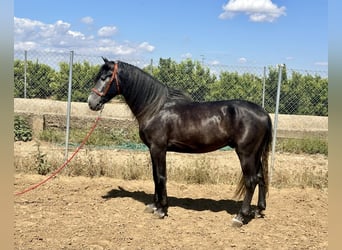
<point x="108" y="213"/>
<point x="105" y="213"/>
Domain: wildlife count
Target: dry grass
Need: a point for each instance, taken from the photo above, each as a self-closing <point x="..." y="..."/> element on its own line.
<point x="220" y="167"/>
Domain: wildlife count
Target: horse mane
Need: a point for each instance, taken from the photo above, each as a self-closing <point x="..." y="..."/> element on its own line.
<point x="145" y="94"/>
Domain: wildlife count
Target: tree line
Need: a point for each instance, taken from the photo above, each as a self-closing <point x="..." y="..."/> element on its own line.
<point x="301" y="94"/>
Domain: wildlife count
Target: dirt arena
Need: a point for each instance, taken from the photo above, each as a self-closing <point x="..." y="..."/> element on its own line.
<point x="106" y="213"/>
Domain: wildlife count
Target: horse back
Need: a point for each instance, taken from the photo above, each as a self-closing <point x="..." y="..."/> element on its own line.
<point x="202" y="127"/>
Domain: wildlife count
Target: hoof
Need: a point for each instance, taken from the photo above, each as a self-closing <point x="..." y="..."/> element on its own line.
<point x="236" y="222"/>
<point x="159" y="214"/>
<point x="150" y="208"/>
<point x="258" y="214"/>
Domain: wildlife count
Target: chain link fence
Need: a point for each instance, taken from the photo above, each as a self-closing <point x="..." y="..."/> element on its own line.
<point x="299" y="95"/>
<point x="50" y="75"/>
<point x="45" y="75"/>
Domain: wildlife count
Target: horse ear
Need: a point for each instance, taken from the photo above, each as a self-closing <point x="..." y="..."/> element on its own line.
<point x="105" y="59"/>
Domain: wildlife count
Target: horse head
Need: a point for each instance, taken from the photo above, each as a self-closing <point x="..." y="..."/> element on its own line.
<point x="106" y="85"/>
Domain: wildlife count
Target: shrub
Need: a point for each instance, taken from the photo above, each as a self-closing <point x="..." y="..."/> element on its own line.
<point x="42" y="166"/>
<point x="306" y="145"/>
<point x="22" y="130"/>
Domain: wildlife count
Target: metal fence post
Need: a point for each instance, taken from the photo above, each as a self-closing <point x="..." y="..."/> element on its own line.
<point x="69" y="105"/>
<point x="263" y="87"/>
<point x="280" y="66"/>
<point x="25" y="72"/>
<point x="151" y="63"/>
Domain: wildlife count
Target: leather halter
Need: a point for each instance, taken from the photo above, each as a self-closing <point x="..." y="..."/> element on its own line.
<point x="114" y="77"/>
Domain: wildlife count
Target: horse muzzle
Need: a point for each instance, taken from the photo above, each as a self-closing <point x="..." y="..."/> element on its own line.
<point x="95" y="102"/>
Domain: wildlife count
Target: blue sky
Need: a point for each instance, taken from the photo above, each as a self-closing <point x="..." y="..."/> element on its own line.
<point x="227" y="32"/>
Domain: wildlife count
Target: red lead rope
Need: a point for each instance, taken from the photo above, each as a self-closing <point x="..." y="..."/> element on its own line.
<point x="65" y="163"/>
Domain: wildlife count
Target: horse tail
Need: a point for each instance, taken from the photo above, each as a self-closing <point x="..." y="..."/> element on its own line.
<point x="265" y="146"/>
<point x="241" y="188"/>
<point x="265" y="154"/>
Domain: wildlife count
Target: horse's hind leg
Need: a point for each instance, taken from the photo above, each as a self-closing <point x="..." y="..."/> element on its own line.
<point x="262" y="193"/>
<point x="248" y="165"/>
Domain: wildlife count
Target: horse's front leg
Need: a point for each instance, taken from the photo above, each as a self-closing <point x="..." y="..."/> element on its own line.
<point x="160" y="204"/>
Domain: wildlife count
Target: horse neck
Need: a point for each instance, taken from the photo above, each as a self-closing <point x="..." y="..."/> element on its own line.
<point x="143" y="93"/>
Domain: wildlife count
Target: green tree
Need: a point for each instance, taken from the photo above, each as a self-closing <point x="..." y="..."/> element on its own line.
<point x="82" y="81"/>
<point x="166" y="71"/>
<point x="271" y="86"/>
<point x="60" y="86"/>
<point x="322" y="96"/>
<point x="39" y="78"/>
<point x="300" y="94"/>
<point x="231" y="85"/>
<point x="314" y="100"/>
<point x="226" y="87"/>
<point x="19" y="79"/>
<point x="291" y="93"/>
<point x="188" y="76"/>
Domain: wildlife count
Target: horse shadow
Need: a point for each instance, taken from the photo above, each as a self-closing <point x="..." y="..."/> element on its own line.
<point x="198" y="204"/>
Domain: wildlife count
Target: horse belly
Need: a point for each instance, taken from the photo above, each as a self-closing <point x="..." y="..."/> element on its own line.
<point x="198" y="131"/>
<point x="199" y="142"/>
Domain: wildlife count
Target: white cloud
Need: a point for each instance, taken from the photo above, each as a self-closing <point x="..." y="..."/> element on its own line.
<point x="146" y="46"/>
<point x="76" y="34"/>
<point x="126" y="48"/>
<point x="24" y="25"/>
<point x="321" y="63"/>
<point x="37" y="35"/>
<point x="25" y="45"/>
<point x="87" y="20"/>
<point x="59" y="37"/>
<point x="214" y="62"/>
<point x="242" y="60"/>
<point x="187" y="55"/>
<point x="107" y="31"/>
<point x="257" y="10"/>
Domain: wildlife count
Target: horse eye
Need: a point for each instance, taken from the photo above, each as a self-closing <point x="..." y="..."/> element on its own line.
<point x="105" y="76"/>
